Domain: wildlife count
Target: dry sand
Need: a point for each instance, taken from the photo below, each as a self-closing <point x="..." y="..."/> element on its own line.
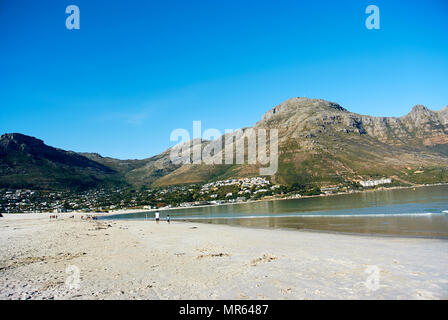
<point x="145" y="260"/>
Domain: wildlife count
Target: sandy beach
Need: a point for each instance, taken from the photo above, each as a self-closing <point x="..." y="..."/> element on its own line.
<point x="145" y="260"/>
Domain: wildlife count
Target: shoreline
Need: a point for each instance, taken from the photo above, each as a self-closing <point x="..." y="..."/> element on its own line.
<point x="132" y="259"/>
<point x="130" y="211"/>
<point x="302" y="197"/>
<point x="278" y="199"/>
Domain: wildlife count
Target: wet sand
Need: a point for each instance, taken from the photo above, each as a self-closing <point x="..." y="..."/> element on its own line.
<point x="143" y="260"/>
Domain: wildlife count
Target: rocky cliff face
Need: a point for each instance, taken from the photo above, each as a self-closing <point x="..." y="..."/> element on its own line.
<point x="306" y="118"/>
<point x="310" y="117"/>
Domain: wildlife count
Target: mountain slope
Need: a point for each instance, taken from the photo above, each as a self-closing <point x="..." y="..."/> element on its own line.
<point x="321" y="142"/>
<point x="26" y="162"/>
<point x="121" y="166"/>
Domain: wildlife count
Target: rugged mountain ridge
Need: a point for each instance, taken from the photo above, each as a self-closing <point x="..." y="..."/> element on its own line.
<point x="322" y="115"/>
<point x="320" y="142"/>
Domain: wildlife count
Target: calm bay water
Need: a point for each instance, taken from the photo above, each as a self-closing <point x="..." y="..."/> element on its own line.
<point x="419" y="212"/>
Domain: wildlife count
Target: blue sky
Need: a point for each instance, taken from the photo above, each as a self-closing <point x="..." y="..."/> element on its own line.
<point x="136" y="70"/>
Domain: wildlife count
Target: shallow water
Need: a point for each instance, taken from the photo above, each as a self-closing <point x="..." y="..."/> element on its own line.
<point x="410" y="212"/>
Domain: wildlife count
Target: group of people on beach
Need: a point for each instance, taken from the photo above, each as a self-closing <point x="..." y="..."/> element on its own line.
<point x="157" y="215"/>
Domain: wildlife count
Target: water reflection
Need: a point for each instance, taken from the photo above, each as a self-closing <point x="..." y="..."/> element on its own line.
<point x="410" y="212"/>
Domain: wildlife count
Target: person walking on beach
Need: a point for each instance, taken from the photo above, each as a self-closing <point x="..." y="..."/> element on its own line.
<point x="157" y="216"/>
<point x="168" y="218"/>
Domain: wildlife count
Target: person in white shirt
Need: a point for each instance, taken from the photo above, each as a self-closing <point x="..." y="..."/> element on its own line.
<point x="157" y="216"/>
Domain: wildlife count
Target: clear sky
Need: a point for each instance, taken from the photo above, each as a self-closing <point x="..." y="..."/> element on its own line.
<point x="136" y="70"/>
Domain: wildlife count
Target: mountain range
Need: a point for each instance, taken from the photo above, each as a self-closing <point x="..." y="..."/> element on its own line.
<point x="320" y="142"/>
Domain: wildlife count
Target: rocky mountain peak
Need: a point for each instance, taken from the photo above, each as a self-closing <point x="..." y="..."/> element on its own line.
<point x="295" y="106"/>
<point x="420" y="114"/>
<point x="20" y="139"/>
<point x="419" y="108"/>
<point x="443" y="114"/>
